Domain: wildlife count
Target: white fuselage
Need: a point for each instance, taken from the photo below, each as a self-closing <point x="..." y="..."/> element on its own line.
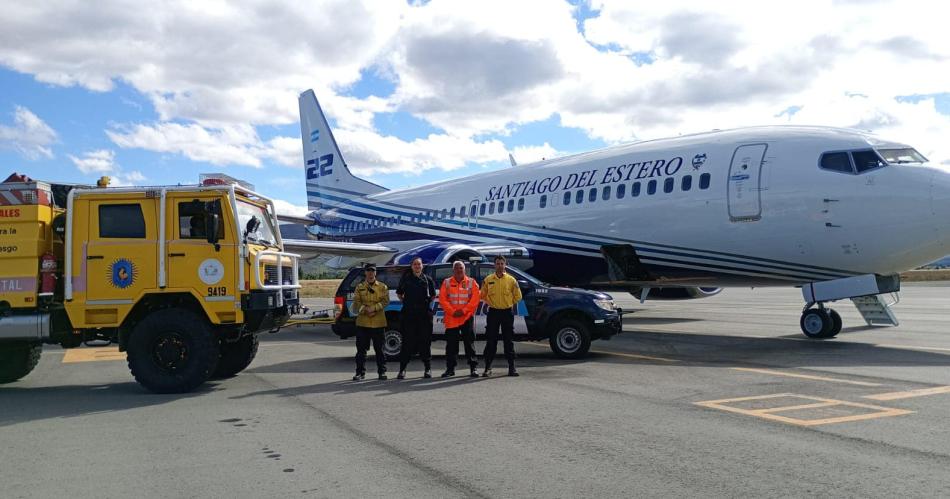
<point x="769" y="215"/>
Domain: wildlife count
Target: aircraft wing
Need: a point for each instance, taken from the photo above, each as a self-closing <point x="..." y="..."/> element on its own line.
<point x="308" y="248"/>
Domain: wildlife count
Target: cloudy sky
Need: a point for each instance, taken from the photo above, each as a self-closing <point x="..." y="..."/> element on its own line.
<point x="157" y="92"/>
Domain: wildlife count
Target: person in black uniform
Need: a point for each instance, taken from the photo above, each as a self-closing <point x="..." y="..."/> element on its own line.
<point x="416" y="291"/>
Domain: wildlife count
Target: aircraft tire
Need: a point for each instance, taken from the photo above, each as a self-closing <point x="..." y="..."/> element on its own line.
<point x="172" y="351"/>
<point x="836" y="323"/>
<point x="817" y="323"/>
<point x="18" y="359"/>
<point x="235" y="357"/>
<point x="570" y="339"/>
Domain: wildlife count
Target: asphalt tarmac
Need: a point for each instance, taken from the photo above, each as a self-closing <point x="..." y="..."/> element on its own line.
<point x="714" y="397"/>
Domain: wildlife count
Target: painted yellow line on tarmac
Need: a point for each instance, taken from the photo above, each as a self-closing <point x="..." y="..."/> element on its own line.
<point x="634" y="356"/>
<point x="96" y="354"/>
<point x="817" y="404"/>
<point x="922" y="392"/>
<point x="617" y="354"/>
<point x="804" y="376"/>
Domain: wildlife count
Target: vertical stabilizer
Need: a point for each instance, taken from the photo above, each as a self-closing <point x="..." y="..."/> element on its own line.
<point x="327" y="174"/>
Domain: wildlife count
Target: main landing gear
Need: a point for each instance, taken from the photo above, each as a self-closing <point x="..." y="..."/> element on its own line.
<point x="820" y="322"/>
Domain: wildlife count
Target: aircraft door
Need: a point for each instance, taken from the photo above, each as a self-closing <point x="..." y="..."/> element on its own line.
<point x="473" y="214"/>
<point x="744" y="183"/>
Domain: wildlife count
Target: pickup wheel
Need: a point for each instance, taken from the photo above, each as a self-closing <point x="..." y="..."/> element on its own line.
<point x="235" y="357"/>
<point x="392" y="344"/>
<point x="18" y="359"/>
<point x="172" y="351"/>
<point x="570" y="339"/>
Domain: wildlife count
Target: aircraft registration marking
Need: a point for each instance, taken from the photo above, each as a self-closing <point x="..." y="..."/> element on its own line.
<point x="858" y="412"/>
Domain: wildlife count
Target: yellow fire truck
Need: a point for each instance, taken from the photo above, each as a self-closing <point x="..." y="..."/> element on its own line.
<point x="182" y="278"/>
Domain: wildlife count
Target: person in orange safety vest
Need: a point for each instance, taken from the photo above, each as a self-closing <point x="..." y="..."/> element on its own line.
<point x="459" y="297"/>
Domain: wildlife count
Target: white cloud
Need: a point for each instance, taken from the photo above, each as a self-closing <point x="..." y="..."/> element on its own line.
<point x="102" y="162"/>
<point x="473" y="69"/>
<point x="529" y="154"/>
<point x="225" y="145"/>
<point x="288" y="208"/>
<point x="29" y="136"/>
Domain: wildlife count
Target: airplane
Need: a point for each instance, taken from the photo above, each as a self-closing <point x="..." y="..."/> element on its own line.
<point x="836" y="212"/>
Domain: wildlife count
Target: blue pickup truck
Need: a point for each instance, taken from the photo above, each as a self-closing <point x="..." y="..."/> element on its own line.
<point x="568" y="318"/>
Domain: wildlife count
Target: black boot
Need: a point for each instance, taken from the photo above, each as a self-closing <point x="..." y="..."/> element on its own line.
<point x="428" y="372"/>
<point x="511" y="369"/>
<point x="448" y="373"/>
<point x="474" y="369"/>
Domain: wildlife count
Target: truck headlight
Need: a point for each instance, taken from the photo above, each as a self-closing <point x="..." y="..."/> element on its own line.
<point x="607" y="305"/>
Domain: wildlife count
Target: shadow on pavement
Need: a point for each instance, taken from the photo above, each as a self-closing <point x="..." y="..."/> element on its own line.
<point x="27" y="404"/>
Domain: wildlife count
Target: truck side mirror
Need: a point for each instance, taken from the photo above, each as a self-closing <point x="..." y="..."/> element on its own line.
<point x="213" y="222"/>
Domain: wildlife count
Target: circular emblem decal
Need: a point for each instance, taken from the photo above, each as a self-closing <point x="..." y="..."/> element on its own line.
<point x="122" y="273"/>
<point x="210" y="271"/>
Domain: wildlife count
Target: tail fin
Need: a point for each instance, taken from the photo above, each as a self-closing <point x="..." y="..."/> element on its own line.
<point x="327" y="174"/>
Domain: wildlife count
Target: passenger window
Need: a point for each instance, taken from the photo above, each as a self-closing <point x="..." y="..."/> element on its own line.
<point x="866" y="160"/>
<point x="668" y="185"/>
<point x="704" y="181"/>
<point x="579" y="197"/>
<point x="521" y="204"/>
<point x="606" y="193"/>
<point x="592" y="195"/>
<point x="462" y="212"/>
<point x="191" y="221"/>
<point x="651" y="187"/>
<point x="621" y="191"/>
<point x="836" y="162"/>
<point x="121" y="221"/>
<point x="511" y="205"/>
<point x="567" y="198"/>
<point x="501" y="207"/>
<point x="544" y="200"/>
<point x="445" y="213"/>
<point x="491" y="208"/>
<point x="687" y="183"/>
<point x="481" y="210"/>
<point x="635" y="190"/>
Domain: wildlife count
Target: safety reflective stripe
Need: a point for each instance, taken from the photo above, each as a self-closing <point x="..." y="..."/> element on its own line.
<point x="461" y="298"/>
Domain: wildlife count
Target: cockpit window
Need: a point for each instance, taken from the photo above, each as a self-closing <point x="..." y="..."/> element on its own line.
<point x="900" y="156"/>
<point x="836" y="161"/>
<point x="866" y="160"/>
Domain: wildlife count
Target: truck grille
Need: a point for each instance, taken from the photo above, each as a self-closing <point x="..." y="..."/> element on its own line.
<point x="270" y="275"/>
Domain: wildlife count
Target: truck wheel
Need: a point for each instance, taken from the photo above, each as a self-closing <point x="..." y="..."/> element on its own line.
<point x="172" y="351"/>
<point x="570" y="339"/>
<point x="392" y="344"/>
<point x="18" y="359"/>
<point x="235" y="357"/>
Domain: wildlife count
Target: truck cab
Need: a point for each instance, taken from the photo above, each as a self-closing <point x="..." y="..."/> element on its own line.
<point x="182" y="278"/>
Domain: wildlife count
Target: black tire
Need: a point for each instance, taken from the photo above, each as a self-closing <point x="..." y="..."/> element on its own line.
<point x="235" y="357"/>
<point x="836" y="323"/>
<point x="570" y="339"/>
<point x="172" y="351"/>
<point x="817" y="324"/>
<point x="392" y="344"/>
<point x="18" y="359"/>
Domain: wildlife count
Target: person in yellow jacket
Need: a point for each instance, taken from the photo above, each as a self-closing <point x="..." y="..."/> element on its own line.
<point x="502" y="293"/>
<point x="370" y="300"/>
<point x="459" y="297"/>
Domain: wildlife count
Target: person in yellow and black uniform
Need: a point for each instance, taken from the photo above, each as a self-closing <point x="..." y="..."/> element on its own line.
<point x="501" y="292"/>
<point x="370" y="300"/>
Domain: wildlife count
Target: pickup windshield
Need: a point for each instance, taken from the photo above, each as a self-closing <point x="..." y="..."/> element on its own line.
<point x="264" y="234"/>
<point x="903" y="155"/>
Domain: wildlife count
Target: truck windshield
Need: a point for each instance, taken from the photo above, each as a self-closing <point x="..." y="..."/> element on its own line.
<point x="903" y="155"/>
<point x="264" y="233"/>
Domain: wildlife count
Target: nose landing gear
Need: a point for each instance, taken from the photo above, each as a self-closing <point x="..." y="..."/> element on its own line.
<point x="820" y="323"/>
